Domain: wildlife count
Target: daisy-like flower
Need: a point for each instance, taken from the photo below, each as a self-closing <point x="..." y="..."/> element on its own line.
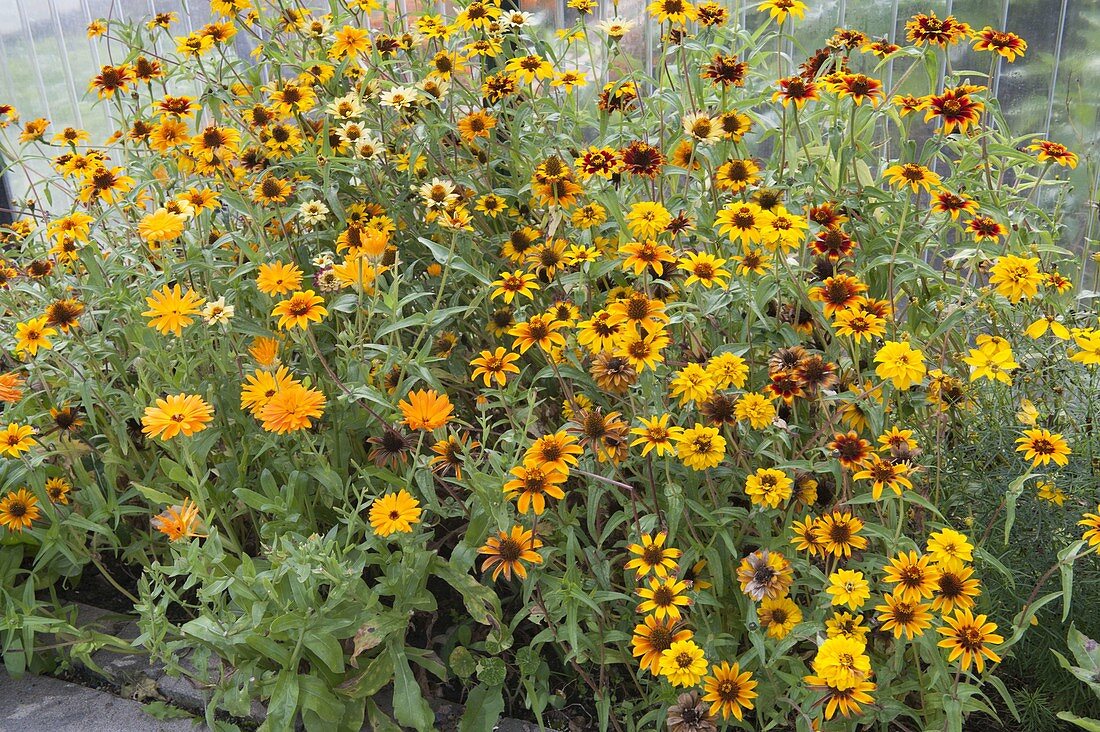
<point x="171" y="309"/>
<point x="426" y="409"/>
<point x="19" y="510"/>
<point x="656" y="434"/>
<point x="32" y="335"/>
<point x="539" y="330"/>
<point x="765" y="574"/>
<point x="846" y="625"/>
<point x="885" y="473"/>
<point x="796" y="90"/>
<point x="756" y="409"/>
<point x="780" y="10"/>
<point x="179" y="522"/>
<point x="955" y="587"/>
<point x="394" y="513"/>
<point x="647" y="219"/>
<point x="985" y="228"/>
<point x="859" y="87"/>
<point x="260" y="386"/>
<point x="953" y="204"/>
<point x="643" y="255"/>
<point x="704" y="268"/>
<point x="912" y="175"/>
<point x="291" y="409"/>
<point x="16" y="438"/>
<point x="904" y="616"/>
<point x="683" y="664"/>
<point x="1091" y="522"/>
<point x="673" y="12"/>
<point x="970" y="637"/>
<point x="842" y="662"/>
<point x="509" y="551"/>
<point x="849" y="588"/>
<point x="948" y="545"/>
<point x="768" y="487"/>
<point x="299" y="310"/>
<point x="778" y="616"/>
<point x="161" y="226"/>
<point x="1042" y="446"/>
<point x="1054" y="152"/>
<point x="663" y="597"/>
<point x="57" y="490"/>
<point x="558" y="451"/>
<point x="901" y="364"/>
<point x="1015" y="277"/>
<point x="992" y="360"/>
<point x="176" y="414"/>
<point x="729" y="690"/>
<point x="652" y="637"/>
<point x="955" y="107"/>
<point x="1008" y="45"/>
<point x="914" y="575"/>
<point x="700" y="447"/>
<point x="838" y="534"/>
<point x="692" y="383"/>
<point x="653" y="556"/>
<point x="845" y="701"/>
<point x="1089" y="343"/>
<point x="533" y="485"/>
<point x="495" y="366"/>
<point x="515" y="283"/>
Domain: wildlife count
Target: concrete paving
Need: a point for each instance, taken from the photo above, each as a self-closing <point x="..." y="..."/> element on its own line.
<point x="44" y="704"/>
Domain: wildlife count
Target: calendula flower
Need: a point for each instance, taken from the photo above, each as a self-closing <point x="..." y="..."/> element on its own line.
<point x="291" y="408"/>
<point x="849" y="588"/>
<point x="171" y="309"/>
<point x="179" y="522"/>
<point x="394" y="513"/>
<point x="176" y="414"/>
<point x="426" y="409"/>
<point x="901" y="363"/>
<point x="970" y="637"/>
<point x="1043" y="446"/>
<point x="299" y="310"/>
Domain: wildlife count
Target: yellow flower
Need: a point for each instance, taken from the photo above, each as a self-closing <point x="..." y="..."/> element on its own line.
<point x="692" y="383"/>
<point x="1089" y="343"/>
<point x="1016" y="277"/>
<point x="900" y="363"/>
<point x="756" y="409"/>
<point x="1043" y="446"/>
<point x="300" y="309"/>
<point x="515" y="283"/>
<point x="780" y="10"/>
<point x="653" y="556"/>
<point x="728" y="369"/>
<point x="170" y="309"/>
<point x="1047" y="491"/>
<point x="647" y="219"/>
<point x="970" y="636"/>
<point x="778" y="616"/>
<point x="728" y="690"/>
<point x="530" y="68"/>
<point x="992" y="361"/>
<point x="768" y="487"/>
<point x="655" y="434"/>
<point x="948" y="545"/>
<point x="176" y="414"/>
<point x="663" y="597"/>
<point x="683" y="664"/>
<point x="291" y="408"/>
<point x="700" y="447"/>
<point x="842" y="662"/>
<point x="16" y="438"/>
<point x="178" y="522"/>
<point x="495" y="366"/>
<point x="704" y="269"/>
<point x="426" y="409"/>
<point x="18" y="510"/>
<point x="848" y="588"/>
<point x="394" y="513"/>
<point x="1039" y="328"/>
<point x="912" y="175"/>
<point x="32" y="335"/>
<point x="161" y="225"/>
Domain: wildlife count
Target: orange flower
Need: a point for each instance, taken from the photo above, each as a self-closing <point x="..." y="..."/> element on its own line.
<point x="426" y="409"/>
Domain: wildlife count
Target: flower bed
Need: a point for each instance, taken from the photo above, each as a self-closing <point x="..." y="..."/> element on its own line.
<point x="443" y="353"/>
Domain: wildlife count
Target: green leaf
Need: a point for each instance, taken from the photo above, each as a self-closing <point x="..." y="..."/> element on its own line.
<point x="283" y="704"/>
<point x="408" y="703"/>
<point x="326" y="648"/>
<point x="1093" y="725"/>
<point x="484" y="706"/>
